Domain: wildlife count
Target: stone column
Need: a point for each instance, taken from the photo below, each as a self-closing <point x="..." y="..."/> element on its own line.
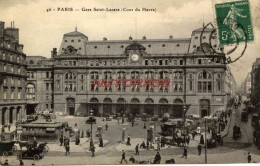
<point x="14" y="115"/>
<point x="101" y="108"/>
<point x="1" y="118"/>
<point x="7" y="114"/>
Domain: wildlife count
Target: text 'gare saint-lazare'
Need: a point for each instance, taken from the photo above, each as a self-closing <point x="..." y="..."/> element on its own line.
<point x="117" y="9"/>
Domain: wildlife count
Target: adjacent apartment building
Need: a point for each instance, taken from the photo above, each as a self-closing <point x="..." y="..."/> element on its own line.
<point x="12" y="76"/>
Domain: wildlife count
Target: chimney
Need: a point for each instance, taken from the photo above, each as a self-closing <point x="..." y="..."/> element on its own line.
<point x="14" y="32"/>
<point x="2" y="27"/>
<point x="144" y="38"/>
<point x="104" y="39"/>
<point x="53" y="52"/>
<point x="130" y="38"/>
<point x="171" y="37"/>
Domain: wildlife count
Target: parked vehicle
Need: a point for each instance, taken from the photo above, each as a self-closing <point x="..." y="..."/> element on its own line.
<point x="7" y="148"/>
<point x="255" y="119"/>
<point x="236" y="132"/>
<point x="168" y="128"/>
<point x="244" y="116"/>
<point x="33" y="153"/>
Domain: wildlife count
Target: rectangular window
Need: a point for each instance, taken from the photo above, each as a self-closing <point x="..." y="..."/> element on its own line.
<point x="181" y="62"/>
<point x="199" y="86"/>
<point x="166" y="62"/>
<point x="204" y="87"/>
<point x="209" y="87"/>
<point x="105" y="63"/>
<point x="219" y="85"/>
<point x="19" y="93"/>
<point x="146" y="62"/>
<point x="47" y="74"/>
<point x="47" y="86"/>
<point x="5" y="94"/>
<point x="152" y="61"/>
<point x="47" y="106"/>
<point x="91" y="63"/>
<point x="74" y="63"/>
<point x="199" y="61"/>
<point x="12" y="94"/>
<point x="160" y="62"/>
<point x="191" y="86"/>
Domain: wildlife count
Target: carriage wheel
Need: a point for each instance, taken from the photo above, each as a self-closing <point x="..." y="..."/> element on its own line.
<point x="5" y="153"/>
<point x="14" y="148"/>
<point x="36" y="157"/>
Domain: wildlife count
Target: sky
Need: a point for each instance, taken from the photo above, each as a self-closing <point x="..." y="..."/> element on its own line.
<point x="40" y="31"/>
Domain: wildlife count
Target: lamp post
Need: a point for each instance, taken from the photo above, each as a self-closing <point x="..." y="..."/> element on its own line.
<point x="205" y="118"/>
<point x="91" y="120"/>
<point x="184" y="118"/>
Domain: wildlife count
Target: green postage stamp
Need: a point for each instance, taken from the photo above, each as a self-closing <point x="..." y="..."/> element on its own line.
<point x="234" y="22"/>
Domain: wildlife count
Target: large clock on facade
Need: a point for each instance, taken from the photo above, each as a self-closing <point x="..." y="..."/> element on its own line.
<point x="135" y="57"/>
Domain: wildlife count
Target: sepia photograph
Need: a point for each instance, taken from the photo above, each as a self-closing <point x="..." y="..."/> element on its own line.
<point x="129" y="82"/>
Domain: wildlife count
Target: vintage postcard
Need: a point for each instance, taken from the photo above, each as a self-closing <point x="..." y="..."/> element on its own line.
<point x="110" y="82"/>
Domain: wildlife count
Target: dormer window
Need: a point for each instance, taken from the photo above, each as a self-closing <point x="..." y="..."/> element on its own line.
<point x="79" y="40"/>
<point x="196" y="37"/>
<point x="149" y="45"/>
<point x="178" y="45"/>
<point x="65" y="41"/>
<point x="163" y="45"/>
<point x="122" y="46"/>
<point x="72" y="41"/>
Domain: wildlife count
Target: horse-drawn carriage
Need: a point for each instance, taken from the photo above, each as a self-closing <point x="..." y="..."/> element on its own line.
<point x="236" y="132"/>
<point x="35" y="153"/>
<point x="7" y="148"/>
<point x="244" y="116"/>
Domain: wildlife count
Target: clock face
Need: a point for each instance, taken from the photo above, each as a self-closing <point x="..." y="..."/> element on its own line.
<point x="135" y="57"/>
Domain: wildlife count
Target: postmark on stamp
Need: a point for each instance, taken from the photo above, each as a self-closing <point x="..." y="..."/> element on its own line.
<point x="234" y="22"/>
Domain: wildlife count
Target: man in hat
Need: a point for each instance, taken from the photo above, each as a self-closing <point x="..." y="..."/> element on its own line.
<point x="123" y="157"/>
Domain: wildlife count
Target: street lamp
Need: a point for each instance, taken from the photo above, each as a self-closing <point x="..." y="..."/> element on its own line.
<point x="206" y="118"/>
<point x="91" y="120"/>
<point x="184" y="118"/>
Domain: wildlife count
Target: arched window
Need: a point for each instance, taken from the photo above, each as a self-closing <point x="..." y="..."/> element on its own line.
<point x="135" y="75"/>
<point x="30" y="91"/>
<point x="94" y="81"/>
<point x="149" y="76"/>
<point x="70" y="82"/>
<point x="121" y="76"/>
<point x="204" y="82"/>
<point x="31" y="62"/>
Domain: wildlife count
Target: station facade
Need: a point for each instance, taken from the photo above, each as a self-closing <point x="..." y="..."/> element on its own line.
<point x="197" y="85"/>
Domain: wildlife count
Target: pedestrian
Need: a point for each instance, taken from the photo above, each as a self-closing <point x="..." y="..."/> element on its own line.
<point x="6" y="162"/>
<point x="128" y="141"/>
<point x="21" y="163"/>
<point x="61" y="140"/>
<point x="157" y="158"/>
<point x="67" y="148"/>
<point x="147" y="145"/>
<point x="161" y="142"/>
<point x="137" y="149"/>
<point x="93" y="150"/>
<point x="193" y="134"/>
<point x="202" y="140"/>
<point x="133" y="123"/>
<point x="75" y="125"/>
<point x="123" y="157"/>
<point x="144" y="125"/>
<point x="77" y="140"/>
<point x="199" y="149"/>
<point x="88" y="133"/>
<point x="142" y="145"/>
<point x="226" y="122"/>
<point x="158" y="146"/>
<point x="185" y="153"/>
<point x="188" y="140"/>
<point x="249" y="157"/>
<point x="82" y="134"/>
<point x="34" y="142"/>
<point x="106" y="126"/>
<point x="101" y="142"/>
